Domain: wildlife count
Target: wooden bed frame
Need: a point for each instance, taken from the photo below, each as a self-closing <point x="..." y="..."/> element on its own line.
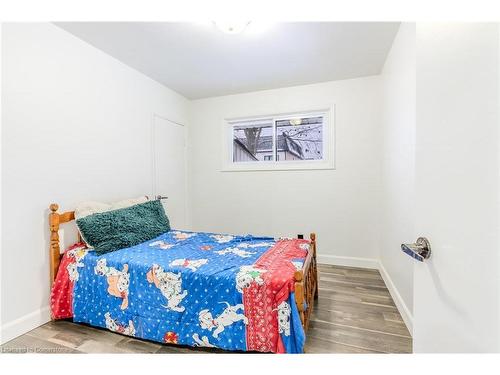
<point x="306" y="280"/>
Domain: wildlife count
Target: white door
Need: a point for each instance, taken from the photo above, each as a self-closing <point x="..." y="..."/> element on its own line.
<point x="456" y="291"/>
<point x="169" y="168"/>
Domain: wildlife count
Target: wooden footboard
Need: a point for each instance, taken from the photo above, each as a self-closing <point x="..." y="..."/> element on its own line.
<point x="306" y="284"/>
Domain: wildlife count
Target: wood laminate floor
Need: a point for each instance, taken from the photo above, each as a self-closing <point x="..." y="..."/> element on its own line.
<point x="353" y="314"/>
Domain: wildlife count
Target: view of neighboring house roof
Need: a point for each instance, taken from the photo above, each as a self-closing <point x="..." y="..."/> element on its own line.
<point x="284" y="144"/>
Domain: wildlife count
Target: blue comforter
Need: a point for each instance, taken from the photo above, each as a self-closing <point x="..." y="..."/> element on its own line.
<point x="181" y="287"/>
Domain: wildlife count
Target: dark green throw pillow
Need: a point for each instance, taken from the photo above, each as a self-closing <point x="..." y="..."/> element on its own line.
<point x="125" y="227"/>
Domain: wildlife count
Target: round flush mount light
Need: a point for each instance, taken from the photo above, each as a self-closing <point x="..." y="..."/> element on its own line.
<point x="231" y="27"/>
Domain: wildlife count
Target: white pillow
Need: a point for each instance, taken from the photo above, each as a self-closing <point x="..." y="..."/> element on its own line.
<point x="129" y="202"/>
<point x="88" y="208"/>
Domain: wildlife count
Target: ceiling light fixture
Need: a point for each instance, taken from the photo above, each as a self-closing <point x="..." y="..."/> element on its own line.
<point x="231" y="27"/>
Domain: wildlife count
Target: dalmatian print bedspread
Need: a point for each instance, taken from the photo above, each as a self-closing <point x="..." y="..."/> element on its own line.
<point x="189" y="288"/>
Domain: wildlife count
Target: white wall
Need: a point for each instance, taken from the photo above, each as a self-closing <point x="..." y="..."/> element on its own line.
<point x="76" y="126"/>
<point x="339" y="205"/>
<point x="398" y="168"/>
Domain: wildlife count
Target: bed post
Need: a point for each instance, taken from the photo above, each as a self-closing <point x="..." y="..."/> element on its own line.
<point x="299" y="295"/>
<point x="54" y="250"/>
<point x="306" y="284"/>
<point x="314" y="264"/>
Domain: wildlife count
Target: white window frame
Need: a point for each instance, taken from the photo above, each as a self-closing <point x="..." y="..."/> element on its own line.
<point x="328" y="161"/>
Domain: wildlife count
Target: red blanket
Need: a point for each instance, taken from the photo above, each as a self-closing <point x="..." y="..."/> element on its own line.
<point x="61" y="296"/>
<point x="261" y="301"/>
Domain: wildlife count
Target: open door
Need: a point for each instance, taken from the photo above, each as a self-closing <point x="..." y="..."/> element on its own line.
<point x="169" y="168"/>
<point x="456" y="290"/>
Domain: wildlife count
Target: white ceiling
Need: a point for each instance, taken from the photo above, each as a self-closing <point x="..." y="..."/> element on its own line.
<point x="198" y="60"/>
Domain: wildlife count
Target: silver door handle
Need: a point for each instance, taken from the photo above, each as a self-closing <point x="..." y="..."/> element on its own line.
<point x="419" y="250"/>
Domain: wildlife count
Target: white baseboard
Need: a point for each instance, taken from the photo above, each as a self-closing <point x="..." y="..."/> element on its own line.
<point x="398" y="300"/>
<point x="24" y="324"/>
<point x="374" y="264"/>
<point x="349" y="261"/>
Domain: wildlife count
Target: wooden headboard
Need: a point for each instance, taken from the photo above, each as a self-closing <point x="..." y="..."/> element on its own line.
<point x="55" y="219"/>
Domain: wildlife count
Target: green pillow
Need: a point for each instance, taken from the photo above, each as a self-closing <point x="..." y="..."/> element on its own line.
<point x="125" y="227"/>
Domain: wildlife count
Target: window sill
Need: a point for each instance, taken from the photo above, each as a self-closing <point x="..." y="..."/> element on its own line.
<point x="279" y="167"/>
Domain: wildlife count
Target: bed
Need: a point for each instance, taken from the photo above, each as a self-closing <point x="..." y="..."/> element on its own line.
<point x="237" y="293"/>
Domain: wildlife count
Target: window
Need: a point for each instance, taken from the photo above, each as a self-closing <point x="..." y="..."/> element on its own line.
<point x="293" y="141"/>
